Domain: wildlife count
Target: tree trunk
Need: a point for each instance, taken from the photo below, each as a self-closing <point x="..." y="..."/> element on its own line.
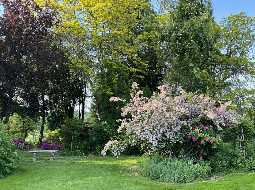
<point x="79" y="108"/>
<point x="241" y="145"/>
<point x="83" y="103"/>
<point x="43" y="121"/>
<point x="83" y="108"/>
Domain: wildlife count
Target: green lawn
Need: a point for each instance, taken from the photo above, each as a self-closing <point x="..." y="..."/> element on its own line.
<point x="69" y="173"/>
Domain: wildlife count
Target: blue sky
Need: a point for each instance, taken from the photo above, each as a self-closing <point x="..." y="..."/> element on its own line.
<point x="223" y="8"/>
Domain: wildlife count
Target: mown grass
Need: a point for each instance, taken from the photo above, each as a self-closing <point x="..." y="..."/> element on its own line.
<point x="95" y="173"/>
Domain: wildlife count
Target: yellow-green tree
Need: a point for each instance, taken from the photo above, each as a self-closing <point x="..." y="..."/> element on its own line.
<point x="115" y="41"/>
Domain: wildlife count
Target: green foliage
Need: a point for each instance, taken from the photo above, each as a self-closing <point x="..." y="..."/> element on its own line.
<point x="174" y="170"/>
<point x="202" y="55"/>
<point x="74" y="134"/>
<point x="245" y="128"/>
<point x="53" y="136"/>
<point x="238" y="35"/>
<point x="230" y="158"/>
<point x="35" y="70"/>
<point x="54" y="52"/>
<point x="19" y="127"/>
<point x="8" y="154"/>
<point x="55" y="120"/>
<point x="113" y="47"/>
<point x="99" y="134"/>
<point x="85" y="137"/>
<point x="191" y="37"/>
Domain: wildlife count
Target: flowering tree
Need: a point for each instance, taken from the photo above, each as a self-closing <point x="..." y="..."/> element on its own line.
<point x="171" y="122"/>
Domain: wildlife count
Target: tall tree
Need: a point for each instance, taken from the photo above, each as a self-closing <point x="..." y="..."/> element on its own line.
<point x="40" y="80"/>
<point x="196" y="57"/>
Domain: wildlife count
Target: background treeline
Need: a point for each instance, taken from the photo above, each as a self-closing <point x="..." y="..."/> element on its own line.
<point x="60" y="57"/>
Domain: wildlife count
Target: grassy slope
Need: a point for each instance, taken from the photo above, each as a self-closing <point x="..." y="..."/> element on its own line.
<point x="103" y="174"/>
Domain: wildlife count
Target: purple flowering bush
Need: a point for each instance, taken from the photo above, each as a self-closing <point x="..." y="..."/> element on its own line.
<point x="47" y="145"/>
<point x="170" y="124"/>
<point x="21" y="144"/>
<point x="52" y="141"/>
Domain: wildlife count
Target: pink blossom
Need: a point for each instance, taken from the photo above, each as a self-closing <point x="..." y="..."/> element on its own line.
<point x="157" y="121"/>
<point x="194" y="139"/>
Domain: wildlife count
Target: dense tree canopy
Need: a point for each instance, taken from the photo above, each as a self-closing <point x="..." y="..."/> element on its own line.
<point x="120" y="43"/>
<point x="54" y="53"/>
<point x="35" y="75"/>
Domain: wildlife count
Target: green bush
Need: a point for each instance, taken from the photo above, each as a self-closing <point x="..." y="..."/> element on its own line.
<point x="229" y="158"/>
<point x="74" y="133"/>
<point x="8" y="155"/>
<point x="174" y="170"/>
<point x="98" y="136"/>
<point x="246" y="127"/>
<point x="84" y="137"/>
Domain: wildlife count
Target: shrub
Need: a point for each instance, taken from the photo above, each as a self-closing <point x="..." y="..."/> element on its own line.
<point x="229" y="157"/>
<point x="54" y="136"/>
<point x="174" y="170"/>
<point x="45" y="145"/>
<point x="8" y="155"/>
<point x="98" y="135"/>
<point x="74" y="133"/>
<point x="22" y="144"/>
<point x="245" y="128"/>
<point x="171" y="123"/>
<point x="85" y="137"/>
